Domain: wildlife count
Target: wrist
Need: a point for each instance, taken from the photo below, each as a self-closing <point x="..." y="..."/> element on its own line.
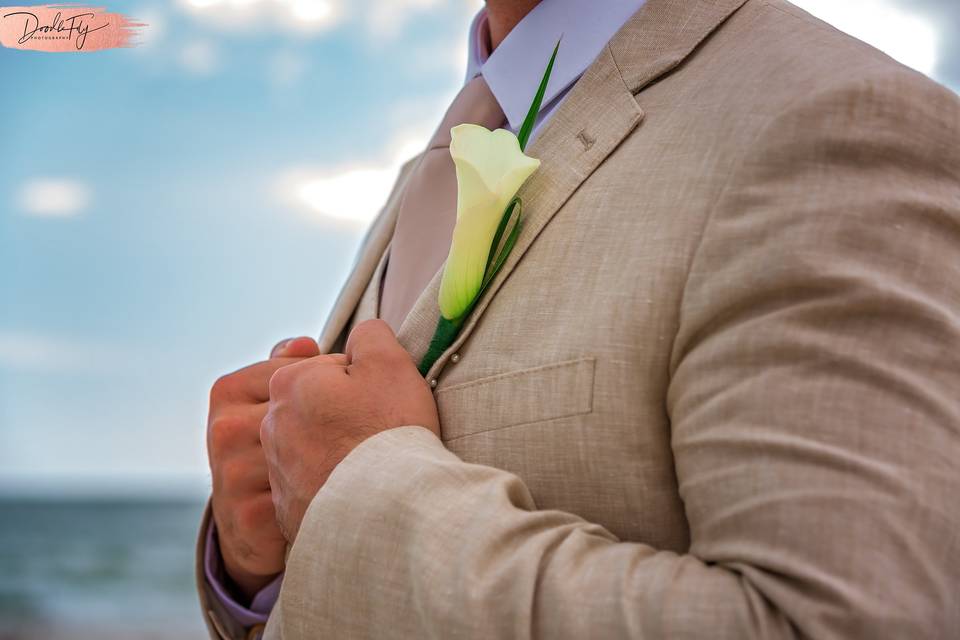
<point x="240" y="580"/>
<point x="243" y="584"/>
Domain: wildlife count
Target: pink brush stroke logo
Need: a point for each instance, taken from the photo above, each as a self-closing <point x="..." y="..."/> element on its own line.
<point x="62" y="27"/>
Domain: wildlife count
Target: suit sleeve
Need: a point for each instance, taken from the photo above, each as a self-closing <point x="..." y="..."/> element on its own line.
<point x="815" y="419"/>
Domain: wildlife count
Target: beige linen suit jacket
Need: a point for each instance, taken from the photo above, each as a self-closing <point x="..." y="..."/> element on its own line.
<point x="714" y="392"/>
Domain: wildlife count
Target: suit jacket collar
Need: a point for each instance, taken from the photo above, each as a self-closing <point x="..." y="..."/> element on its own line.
<point x="663" y="34"/>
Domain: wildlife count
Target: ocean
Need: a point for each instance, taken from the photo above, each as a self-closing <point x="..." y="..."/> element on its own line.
<point x="105" y="569"/>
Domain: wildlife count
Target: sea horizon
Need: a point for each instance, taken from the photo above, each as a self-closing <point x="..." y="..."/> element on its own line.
<point x="109" y="565"/>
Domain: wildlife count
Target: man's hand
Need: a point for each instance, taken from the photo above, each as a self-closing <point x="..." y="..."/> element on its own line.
<point x="251" y="543"/>
<point x="322" y="408"/>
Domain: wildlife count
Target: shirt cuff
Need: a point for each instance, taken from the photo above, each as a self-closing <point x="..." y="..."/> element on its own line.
<point x="213" y="569"/>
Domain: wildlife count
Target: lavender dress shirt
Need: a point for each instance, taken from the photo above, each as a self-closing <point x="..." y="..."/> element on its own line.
<point x="513" y="72"/>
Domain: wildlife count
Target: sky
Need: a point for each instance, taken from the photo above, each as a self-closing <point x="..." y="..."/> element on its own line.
<point x="168" y="212"/>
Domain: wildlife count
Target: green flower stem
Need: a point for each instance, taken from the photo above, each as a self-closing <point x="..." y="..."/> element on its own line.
<point x="443" y="336"/>
<point x="448" y="330"/>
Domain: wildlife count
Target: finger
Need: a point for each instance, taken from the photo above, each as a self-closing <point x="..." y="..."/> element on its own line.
<point x="302" y="347"/>
<point x="279" y="347"/>
<point x="254" y="380"/>
<point x="285" y="377"/>
<point x="245" y="473"/>
<point x="250" y="383"/>
<point x="236" y="428"/>
<point x="374" y="339"/>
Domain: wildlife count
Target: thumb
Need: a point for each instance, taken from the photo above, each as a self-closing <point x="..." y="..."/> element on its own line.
<point x="373" y="339"/>
<point x="302" y="347"/>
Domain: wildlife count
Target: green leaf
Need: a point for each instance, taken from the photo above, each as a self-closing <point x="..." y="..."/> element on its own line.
<point x="507" y="248"/>
<point x="504" y="253"/>
<point x="527" y="127"/>
<point x="499" y="234"/>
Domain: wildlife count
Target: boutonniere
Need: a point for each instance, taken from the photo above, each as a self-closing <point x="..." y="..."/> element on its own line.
<point x="491" y="167"/>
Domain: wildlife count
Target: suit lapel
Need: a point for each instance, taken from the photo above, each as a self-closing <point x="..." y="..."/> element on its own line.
<point x="417" y="328"/>
<point x="592" y="121"/>
<point x="368" y="257"/>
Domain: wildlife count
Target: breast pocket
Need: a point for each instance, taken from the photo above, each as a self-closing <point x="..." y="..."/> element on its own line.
<point x="516" y="398"/>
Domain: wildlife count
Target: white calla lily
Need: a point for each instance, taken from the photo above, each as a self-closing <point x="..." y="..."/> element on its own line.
<point x="491" y="168"/>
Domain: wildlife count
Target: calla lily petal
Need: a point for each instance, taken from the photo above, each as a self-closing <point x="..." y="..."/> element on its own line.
<point x="491" y="168"/>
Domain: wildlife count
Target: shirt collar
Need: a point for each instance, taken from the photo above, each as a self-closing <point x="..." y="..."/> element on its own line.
<point x="514" y="69"/>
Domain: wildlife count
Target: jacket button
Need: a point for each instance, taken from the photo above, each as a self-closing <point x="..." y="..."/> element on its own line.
<point x="455" y="358"/>
<point x="433" y="383"/>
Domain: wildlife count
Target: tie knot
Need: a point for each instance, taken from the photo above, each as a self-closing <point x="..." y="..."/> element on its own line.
<point x="475" y="104"/>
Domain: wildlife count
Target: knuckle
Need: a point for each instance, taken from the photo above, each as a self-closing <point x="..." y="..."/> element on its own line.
<point x="365" y="329"/>
<point x="266" y="430"/>
<point x="388" y="361"/>
<point x="276" y="503"/>
<point x="255" y="513"/>
<point x="223" y="387"/>
<point x="224" y="432"/>
<point x="396" y="357"/>
<point x="232" y="474"/>
<point x="373" y="324"/>
<point x="280" y="381"/>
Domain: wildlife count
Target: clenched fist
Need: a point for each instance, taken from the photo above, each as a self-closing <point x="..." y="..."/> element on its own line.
<point x="322" y="408"/>
<point x="251" y="543"/>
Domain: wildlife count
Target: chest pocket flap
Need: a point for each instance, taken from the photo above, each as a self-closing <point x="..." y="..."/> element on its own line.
<point x="515" y="398"/>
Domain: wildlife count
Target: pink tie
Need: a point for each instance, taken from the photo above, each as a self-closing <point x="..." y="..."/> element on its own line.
<point x="428" y="212"/>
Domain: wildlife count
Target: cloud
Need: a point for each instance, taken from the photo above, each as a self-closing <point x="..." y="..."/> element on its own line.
<point x="156" y="28"/>
<point x="384" y="19"/>
<point x="36" y="352"/>
<point x="945" y="15"/>
<point x="199" y="57"/>
<point x="387" y="18"/>
<point x="432" y="57"/>
<point x="29" y="350"/>
<point x="902" y="33"/>
<point x="306" y="17"/>
<point x="54" y="197"/>
<point x="350" y="194"/>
